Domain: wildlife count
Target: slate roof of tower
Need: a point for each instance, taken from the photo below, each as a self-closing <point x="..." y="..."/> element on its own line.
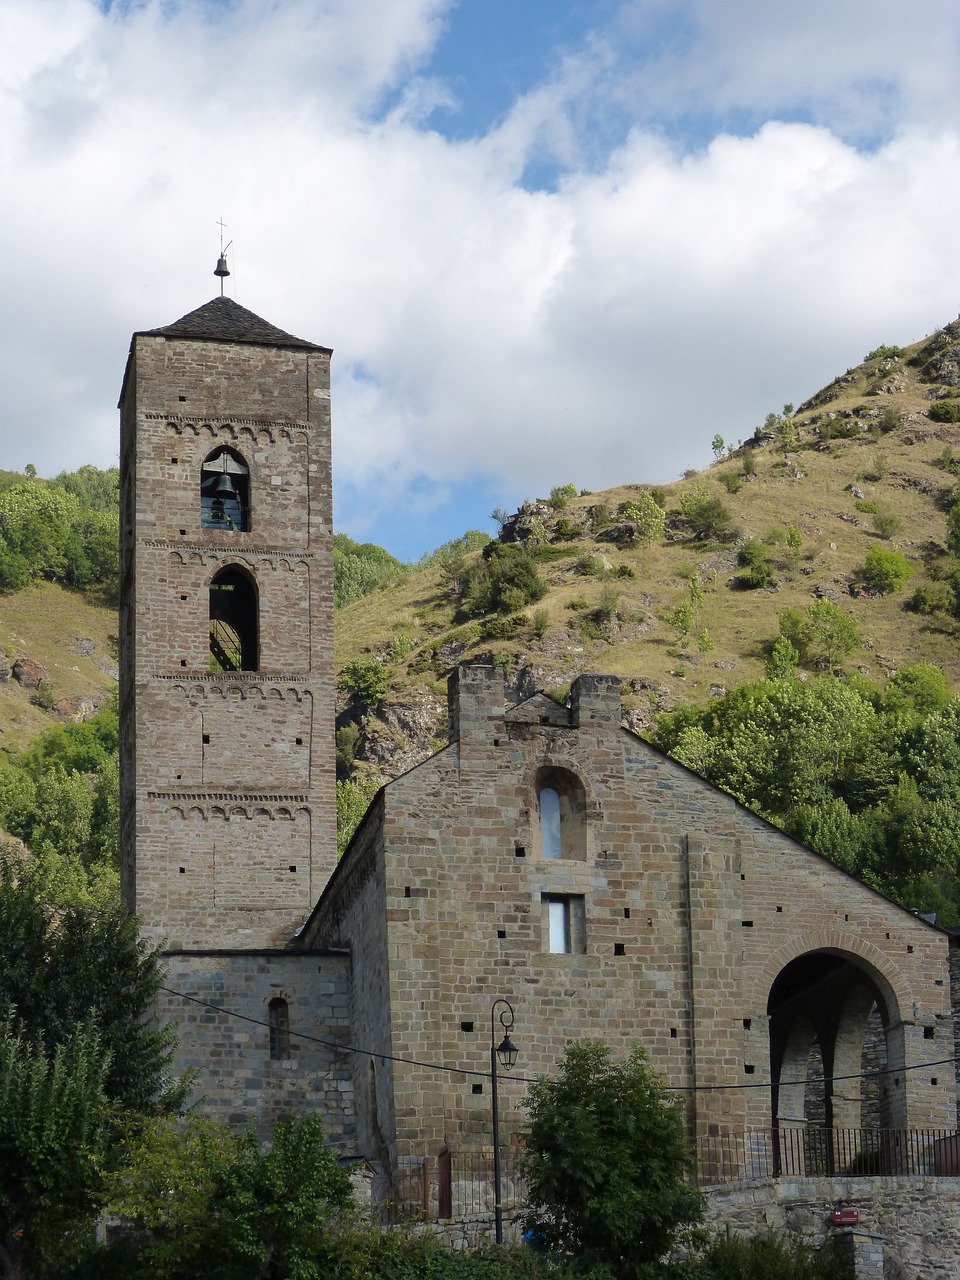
<point x="223" y="320"/>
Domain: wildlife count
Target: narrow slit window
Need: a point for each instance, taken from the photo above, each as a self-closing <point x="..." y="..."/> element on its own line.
<point x="550" y="839"/>
<point x="279" y="1017"/>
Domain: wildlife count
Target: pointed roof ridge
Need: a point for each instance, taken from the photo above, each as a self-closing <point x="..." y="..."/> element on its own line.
<point x="223" y="320"/>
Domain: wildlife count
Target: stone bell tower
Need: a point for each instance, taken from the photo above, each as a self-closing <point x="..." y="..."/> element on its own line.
<point x="226" y="632"/>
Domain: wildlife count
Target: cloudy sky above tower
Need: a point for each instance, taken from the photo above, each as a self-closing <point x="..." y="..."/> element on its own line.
<point x="549" y="241"/>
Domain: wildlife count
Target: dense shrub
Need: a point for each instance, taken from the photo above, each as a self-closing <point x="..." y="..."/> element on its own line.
<point x="932" y="597"/>
<point x="822" y="634"/>
<point x="503" y="581"/>
<point x="884" y="571"/>
<point x="705" y="516"/>
<point x="945" y="411"/>
<point x="754" y="557"/>
<point x="560" y="495"/>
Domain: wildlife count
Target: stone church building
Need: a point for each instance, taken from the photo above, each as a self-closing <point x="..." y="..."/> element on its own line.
<point x="546" y="855"/>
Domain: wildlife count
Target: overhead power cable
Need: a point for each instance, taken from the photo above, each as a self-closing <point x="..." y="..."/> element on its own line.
<point x="466" y="1071"/>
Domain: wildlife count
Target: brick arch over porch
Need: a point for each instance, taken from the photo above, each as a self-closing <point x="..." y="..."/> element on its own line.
<point x="891" y="981"/>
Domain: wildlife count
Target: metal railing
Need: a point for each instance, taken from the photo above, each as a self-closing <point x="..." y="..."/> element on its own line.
<point x="808" y="1152"/>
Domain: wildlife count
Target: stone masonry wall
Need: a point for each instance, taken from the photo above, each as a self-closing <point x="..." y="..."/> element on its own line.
<point x="218" y="1003"/>
<point x="692" y="907"/>
<point x="228" y="780"/>
<point x="357" y="920"/>
<point x="914" y="1221"/>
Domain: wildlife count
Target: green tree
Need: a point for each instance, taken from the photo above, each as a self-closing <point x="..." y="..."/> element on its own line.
<point x="53" y="1112"/>
<point x="353" y="800"/>
<point x="69" y="959"/>
<point x="365" y="679"/>
<point x="822" y="634"/>
<point x="609" y="1176"/>
<point x="216" y="1204"/>
<point x="646" y="515"/>
<point x="717" y="444"/>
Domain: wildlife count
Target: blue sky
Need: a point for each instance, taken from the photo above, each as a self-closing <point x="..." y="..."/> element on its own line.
<point x="549" y="242"/>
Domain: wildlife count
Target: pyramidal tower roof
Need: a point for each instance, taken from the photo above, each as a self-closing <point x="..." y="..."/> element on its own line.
<point x="223" y="320"/>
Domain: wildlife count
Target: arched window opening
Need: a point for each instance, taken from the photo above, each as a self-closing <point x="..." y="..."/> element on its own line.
<point x="225" y="492"/>
<point x="561" y="811"/>
<point x="551" y="842"/>
<point x="279" y="1017"/>
<point x="233" y="621"/>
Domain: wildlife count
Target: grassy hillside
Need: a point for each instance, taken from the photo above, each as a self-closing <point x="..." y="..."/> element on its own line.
<point x="69" y="635"/>
<point x="861" y="465"/>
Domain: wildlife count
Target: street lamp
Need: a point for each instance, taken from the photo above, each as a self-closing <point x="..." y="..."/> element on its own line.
<point x="506" y="1053"/>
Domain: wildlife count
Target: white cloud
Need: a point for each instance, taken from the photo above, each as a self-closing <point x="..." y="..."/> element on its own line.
<point x="601" y="332"/>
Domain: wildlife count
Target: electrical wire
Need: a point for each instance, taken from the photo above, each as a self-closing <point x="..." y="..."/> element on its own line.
<point x="464" y="1071"/>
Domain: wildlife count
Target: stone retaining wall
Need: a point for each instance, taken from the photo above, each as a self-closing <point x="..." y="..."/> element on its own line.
<point x="915" y="1221"/>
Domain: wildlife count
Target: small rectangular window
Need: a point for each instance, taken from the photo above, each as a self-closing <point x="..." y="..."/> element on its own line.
<point x="564" y="924"/>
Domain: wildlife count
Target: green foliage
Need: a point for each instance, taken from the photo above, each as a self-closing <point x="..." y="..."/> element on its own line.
<point x="717" y="445"/>
<point x="599" y="516"/>
<point x="72" y="960"/>
<point x="539" y="623"/>
<point x="889" y="420"/>
<point x="365" y="679"/>
<point x="608" y="1171"/>
<point x="883" y="352"/>
<point x="472" y="540"/>
<point x="768" y="1257"/>
<point x="884" y="571"/>
<point x="748" y="461"/>
<point x="878" y="469"/>
<point x="347" y="742"/>
<point x="359" y="568"/>
<point x="46" y="531"/>
<point x="98" y="490"/>
<point x="560" y="496"/>
<point x="504" y="580"/>
<point x="755" y="559"/>
<point x="353" y="800"/>
<point x="868" y="777"/>
<point x="945" y="410"/>
<point x="887" y="523"/>
<point x="732" y="482"/>
<point x="705" y="515"/>
<point x="930" y="598"/>
<point x="646" y="515"/>
<point x="953" y="528"/>
<point x="53" y="1112"/>
<point x="822" y="634"/>
<point x="216" y="1204"/>
<point x="61" y="795"/>
<point x="682" y="619"/>
<point x="782" y="660"/>
<point x="590" y="566"/>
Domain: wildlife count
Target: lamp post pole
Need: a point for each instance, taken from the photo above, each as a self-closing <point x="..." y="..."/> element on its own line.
<point x="506" y="1053"/>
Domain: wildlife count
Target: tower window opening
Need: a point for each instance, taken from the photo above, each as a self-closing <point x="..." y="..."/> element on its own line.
<point x="561" y="813"/>
<point x="225" y="492"/>
<point x="279" y="1019"/>
<point x="233" y="621"/>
